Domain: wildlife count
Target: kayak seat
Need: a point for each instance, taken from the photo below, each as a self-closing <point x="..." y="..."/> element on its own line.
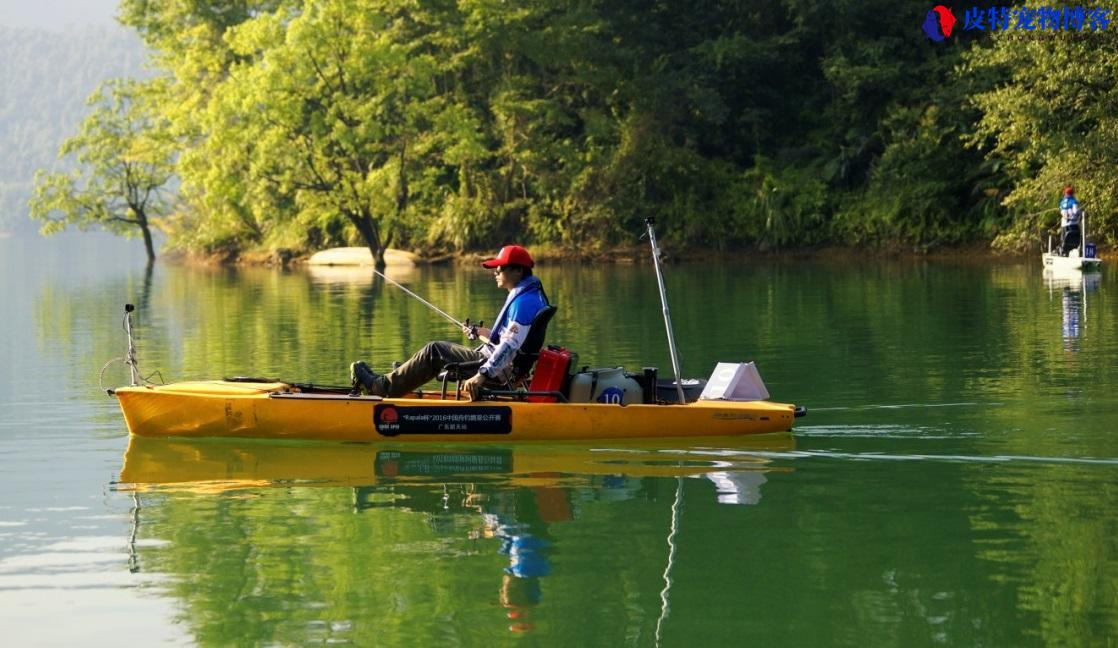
<point x="522" y="364"/>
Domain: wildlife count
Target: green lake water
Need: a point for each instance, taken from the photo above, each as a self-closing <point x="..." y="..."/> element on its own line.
<point x="954" y="482"/>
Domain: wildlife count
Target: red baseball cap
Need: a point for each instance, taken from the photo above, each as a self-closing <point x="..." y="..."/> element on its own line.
<point x="510" y="255"/>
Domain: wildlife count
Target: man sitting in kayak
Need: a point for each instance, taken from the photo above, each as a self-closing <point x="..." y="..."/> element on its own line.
<point x="512" y="268"/>
<point x="1069" y="221"/>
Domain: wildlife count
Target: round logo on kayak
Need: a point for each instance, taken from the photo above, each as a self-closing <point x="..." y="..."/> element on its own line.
<point x="386" y="420"/>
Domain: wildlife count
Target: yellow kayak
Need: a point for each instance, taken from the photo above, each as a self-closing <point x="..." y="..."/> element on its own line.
<point x="278" y="410"/>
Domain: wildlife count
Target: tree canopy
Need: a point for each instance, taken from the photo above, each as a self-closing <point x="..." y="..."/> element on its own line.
<point x="124" y="162"/>
<point x="1051" y="120"/>
<point x="442" y="126"/>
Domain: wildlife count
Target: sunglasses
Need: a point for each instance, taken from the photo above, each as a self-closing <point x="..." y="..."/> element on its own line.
<point x="497" y="271"/>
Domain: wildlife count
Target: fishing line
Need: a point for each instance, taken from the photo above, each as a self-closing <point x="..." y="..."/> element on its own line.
<point x="425" y="302"/>
<point x="421" y="300"/>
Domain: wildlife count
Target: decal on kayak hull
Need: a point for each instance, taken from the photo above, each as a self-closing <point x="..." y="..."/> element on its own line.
<point x="393" y="420"/>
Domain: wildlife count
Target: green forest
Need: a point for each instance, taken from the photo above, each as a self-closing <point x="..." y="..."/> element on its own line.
<point x="283" y="126"/>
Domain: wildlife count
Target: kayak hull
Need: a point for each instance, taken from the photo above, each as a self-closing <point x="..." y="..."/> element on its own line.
<point x="278" y="411"/>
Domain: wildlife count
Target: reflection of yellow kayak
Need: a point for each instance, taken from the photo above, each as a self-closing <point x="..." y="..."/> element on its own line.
<point x="219" y="464"/>
<point x="278" y="410"/>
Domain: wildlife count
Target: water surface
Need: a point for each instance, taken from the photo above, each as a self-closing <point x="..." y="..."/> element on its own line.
<point x="953" y="483"/>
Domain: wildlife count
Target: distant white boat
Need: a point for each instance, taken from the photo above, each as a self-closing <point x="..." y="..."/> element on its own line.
<point x="1081" y="258"/>
<point x="1073" y="261"/>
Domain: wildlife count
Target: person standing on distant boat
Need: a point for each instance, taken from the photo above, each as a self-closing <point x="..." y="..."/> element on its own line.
<point x="1069" y="221"/>
<point x="512" y="268"/>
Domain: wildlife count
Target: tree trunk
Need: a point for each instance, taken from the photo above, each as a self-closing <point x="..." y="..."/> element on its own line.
<point x="401" y="202"/>
<point x="365" y="226"/>
<point x="142" y="220"/>
<point x="148" y="244"/>
<point x="402" y="185"/>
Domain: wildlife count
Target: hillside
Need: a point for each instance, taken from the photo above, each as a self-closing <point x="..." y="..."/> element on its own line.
<point x="44" y="82"/>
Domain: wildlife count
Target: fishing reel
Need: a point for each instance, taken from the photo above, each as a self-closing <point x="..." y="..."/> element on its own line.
<point x="471" y="330"/>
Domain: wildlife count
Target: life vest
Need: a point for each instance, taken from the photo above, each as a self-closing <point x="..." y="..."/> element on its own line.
<point x="511" y="327"/>
<point x="1069" y="211"/>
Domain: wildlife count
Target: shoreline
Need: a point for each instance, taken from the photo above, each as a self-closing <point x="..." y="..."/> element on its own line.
<point x="630" y="255"/>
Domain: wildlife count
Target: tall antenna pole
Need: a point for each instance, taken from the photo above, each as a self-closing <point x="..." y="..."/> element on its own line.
<point x="1083" y="239"/>
<point x="664" y="300"/>
<point x="130" y="360"/>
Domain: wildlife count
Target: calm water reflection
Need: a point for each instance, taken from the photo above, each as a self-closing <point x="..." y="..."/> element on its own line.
<point x="952" y="484"/>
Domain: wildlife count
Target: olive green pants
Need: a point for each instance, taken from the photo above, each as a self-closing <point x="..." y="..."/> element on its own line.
<point x="424" y="366"/>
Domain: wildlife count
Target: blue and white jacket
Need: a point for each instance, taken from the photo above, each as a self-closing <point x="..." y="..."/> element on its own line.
<point x="510" y="329"/>
<point x="1069" y="211"/>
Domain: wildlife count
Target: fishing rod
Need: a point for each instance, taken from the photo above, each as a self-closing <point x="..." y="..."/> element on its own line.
<point x="433" y="307"/>
<point x="667" y="316"/>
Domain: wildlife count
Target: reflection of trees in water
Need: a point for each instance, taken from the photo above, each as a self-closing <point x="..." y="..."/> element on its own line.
<point x="964" y="535"/>
<point x="403" y="559"/>
<point x="414" y="556"/>
<point x="79" y="326"/>
<point x="1056" y="552"/>
<point x="518" y="518"/>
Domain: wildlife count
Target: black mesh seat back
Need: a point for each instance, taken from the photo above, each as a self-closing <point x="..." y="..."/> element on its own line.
<point x="530" y="350"/>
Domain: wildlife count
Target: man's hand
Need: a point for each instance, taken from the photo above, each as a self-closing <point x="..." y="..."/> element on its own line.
<point x="474" y="384"/>
<point x="475" y="331"/>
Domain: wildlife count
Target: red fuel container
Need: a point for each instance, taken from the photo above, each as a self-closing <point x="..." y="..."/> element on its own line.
<point x="551" y="370"/>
